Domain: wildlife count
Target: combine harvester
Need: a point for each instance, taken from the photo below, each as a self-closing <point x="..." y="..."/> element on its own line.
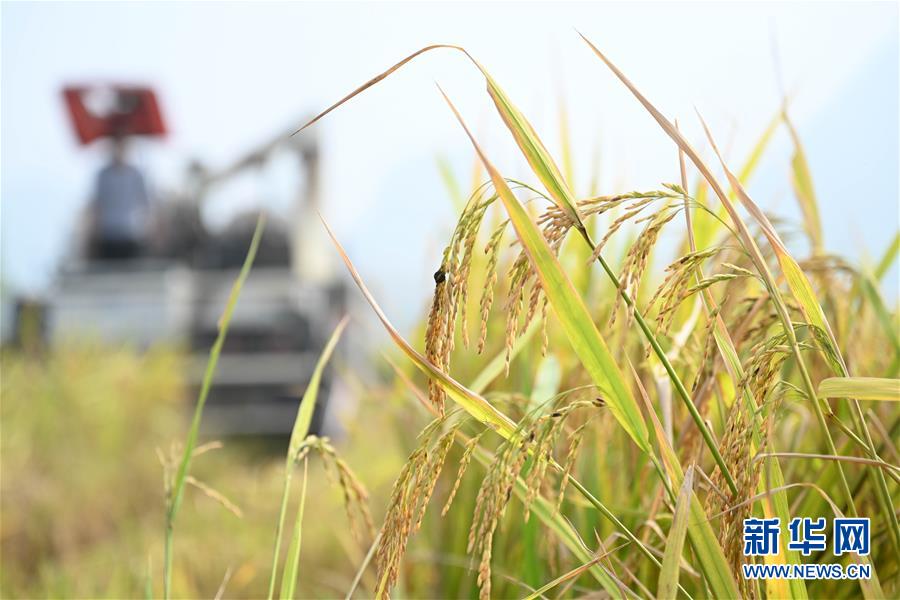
<point x="174" y="288"/>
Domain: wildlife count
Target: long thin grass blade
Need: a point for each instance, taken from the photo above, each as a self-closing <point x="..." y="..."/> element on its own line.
<point x="381" y="76"/>
<point x="451" y="183"/>
<point x="861" y="388"/>
<point x="362" y="568"/>
<point x="533" y="149"/>
<point x="574" y="573"/>
<point x="224" y="584"/>
<point x="565" y="142"/>
<point x="668" y="575"/>
<point x="759" y="149"/>
<point x="890" y="255"/>
<point x="184" y="466"/>
<point x="803" y="188"/>
<point x="148" y="582"/>
<point x="292" y="562"/>
<point x="849" y="459"/>
<point x="311" y="395"/>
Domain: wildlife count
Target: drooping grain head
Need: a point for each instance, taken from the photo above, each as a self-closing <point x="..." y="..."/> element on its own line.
<point x="355" y="495"/>
<point x="409" y="498"/>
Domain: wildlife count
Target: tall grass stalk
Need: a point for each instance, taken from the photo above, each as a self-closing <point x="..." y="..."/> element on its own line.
<point x="176" y="492"/>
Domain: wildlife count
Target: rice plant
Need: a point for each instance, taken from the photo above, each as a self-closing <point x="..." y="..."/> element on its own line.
<point x="642" y="495"/>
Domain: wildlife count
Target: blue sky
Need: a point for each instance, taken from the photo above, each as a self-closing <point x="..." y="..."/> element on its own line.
<point x="230" y="76"/>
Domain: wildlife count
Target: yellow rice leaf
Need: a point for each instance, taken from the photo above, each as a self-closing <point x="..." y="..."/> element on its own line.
<point x="801" y="178"/>
<point x="861" y="388"/>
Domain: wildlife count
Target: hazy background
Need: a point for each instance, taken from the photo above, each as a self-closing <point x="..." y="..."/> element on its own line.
<point x="229" y="76"/>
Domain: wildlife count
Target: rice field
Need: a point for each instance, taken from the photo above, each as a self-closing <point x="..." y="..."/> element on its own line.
<point x="583" y="412"/>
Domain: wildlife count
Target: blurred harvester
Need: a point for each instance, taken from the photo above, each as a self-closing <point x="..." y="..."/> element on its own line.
<point x="148" y="270"/>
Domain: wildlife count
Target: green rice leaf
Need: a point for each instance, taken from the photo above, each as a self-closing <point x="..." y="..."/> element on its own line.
<point x="311" y="395"/>
<point x="759" y="149"/>
<point x="890" y="255"/>
<point x="889" y="323"/>
<point x="668" y="575"/>
<point x="547" y="378"/>
<point x="533" y="149"/>
<point x="451" y="183"/>
<point x="292" y="562"/>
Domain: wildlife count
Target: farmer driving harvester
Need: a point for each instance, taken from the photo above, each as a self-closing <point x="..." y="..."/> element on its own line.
<point x="120" y="209"/>
<point x="119" y="215"/>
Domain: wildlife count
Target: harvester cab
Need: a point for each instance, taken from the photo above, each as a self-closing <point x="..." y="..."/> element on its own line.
<point x="149" y="270"/>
